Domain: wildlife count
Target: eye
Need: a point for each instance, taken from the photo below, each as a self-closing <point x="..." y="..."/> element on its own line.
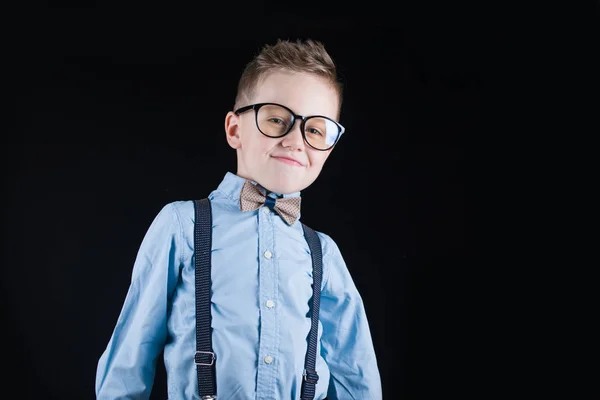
<point x="276" y="120"/>
<point x="314" y="131"/>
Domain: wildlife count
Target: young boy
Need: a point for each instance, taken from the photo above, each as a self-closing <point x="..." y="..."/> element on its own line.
<point x="283" y="128"/>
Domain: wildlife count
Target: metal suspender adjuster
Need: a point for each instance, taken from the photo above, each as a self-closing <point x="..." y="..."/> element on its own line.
<point x="198" y="358"/>
<point x="310" y="376"/>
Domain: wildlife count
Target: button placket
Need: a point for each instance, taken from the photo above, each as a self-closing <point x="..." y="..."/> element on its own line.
<point x="268" y="347"/>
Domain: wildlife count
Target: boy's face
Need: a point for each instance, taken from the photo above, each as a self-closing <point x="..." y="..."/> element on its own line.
<point x="268" y="161"/>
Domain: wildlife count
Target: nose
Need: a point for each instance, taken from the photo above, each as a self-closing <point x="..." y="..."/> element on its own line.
<point x="294" y="139"/>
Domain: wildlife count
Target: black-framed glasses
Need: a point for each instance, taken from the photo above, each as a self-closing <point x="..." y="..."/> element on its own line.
<point x="274" y="120"/>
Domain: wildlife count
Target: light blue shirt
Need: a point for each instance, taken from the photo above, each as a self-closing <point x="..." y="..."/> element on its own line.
<point x="261" y="291"/>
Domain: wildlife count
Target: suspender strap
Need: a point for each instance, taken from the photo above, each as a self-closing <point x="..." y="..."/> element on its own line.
<point x="204" y="357"/>
<point x="310" y="376"/>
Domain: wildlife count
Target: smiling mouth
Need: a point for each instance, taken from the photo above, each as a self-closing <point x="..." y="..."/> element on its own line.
<point x="288" y="161"/>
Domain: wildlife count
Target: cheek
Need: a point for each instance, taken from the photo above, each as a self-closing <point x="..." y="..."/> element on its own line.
<point x="317" y="159"/>
<point x="266" y="145"/>
<point x="257" y="145"/>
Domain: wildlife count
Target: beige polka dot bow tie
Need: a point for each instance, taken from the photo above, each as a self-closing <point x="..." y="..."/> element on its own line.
<point x="252" y="198"/>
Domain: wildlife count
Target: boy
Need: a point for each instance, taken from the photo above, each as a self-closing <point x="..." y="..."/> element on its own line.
<point x="283" y="128"/>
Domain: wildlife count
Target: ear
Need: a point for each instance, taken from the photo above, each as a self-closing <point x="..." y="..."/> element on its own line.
<point x="232" y="130"/>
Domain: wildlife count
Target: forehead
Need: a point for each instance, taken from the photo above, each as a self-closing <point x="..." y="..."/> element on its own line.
<point x="304" y="93"/>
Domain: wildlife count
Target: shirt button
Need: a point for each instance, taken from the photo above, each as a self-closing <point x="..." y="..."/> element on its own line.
<point x="268" y="359"/>
<point x="268" y="254"/>
<point x="265" y="210"/>
<point x="270" y="303"/>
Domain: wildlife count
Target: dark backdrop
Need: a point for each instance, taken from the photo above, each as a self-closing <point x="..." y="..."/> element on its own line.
<point x="120" y="111"/>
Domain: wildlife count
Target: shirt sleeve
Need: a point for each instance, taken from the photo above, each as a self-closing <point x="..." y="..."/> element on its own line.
<point x="346" y="342"/>
<point x="127" y="366"/>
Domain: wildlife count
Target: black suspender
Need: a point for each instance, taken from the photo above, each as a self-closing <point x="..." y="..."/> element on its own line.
<point x="204" y="357"/>
<point x="310" y="377"/>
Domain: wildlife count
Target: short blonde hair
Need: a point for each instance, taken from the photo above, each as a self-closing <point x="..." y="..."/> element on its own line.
<point x="307" y="56"/>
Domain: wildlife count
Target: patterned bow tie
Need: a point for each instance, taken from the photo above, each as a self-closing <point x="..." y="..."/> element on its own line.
<point x="252" y="198"/>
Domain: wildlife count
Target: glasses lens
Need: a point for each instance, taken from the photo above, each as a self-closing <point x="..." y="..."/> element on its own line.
<point x="274" y="120"/>
<point x="321" y="133"/>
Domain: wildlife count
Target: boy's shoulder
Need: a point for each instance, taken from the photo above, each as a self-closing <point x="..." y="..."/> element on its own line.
<point x="328" y="245"/>
<point x="183" y="209"/>
<point x="177" y="207"/>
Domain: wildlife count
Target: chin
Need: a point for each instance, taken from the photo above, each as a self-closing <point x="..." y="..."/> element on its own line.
<point x="285" y="187"/>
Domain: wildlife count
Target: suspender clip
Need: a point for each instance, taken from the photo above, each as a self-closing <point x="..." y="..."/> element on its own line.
<point x="198" y="358"/>
<point x="310" y="376"/>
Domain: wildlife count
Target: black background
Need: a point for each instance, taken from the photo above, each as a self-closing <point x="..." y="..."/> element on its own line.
<point x="121" y="110"/>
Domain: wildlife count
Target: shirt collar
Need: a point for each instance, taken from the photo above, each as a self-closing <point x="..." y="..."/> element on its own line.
<point x="231" y="185"/>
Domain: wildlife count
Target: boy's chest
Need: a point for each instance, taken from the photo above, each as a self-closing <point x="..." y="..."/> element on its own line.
<point x="254" y="262"/>
<point x="263" y="255"/>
